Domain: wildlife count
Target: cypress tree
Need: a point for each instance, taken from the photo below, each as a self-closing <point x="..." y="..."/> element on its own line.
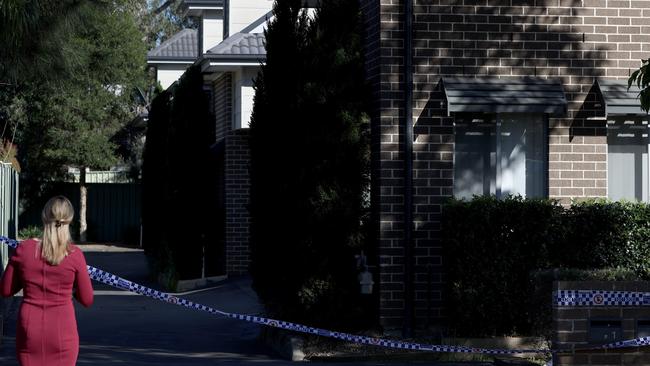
<point x="177" y="181"/>
<point x="309" y="171"/>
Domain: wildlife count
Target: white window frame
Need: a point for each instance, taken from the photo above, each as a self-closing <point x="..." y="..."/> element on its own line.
<point x="627" y="127"/>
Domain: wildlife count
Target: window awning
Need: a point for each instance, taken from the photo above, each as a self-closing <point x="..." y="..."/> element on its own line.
<point x="618" y="99"/>
<point x="492" y="95"/>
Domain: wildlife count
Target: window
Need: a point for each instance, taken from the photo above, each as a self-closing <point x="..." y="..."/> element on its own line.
<point x="514" y="163"/>
<point x="627" y="160"/>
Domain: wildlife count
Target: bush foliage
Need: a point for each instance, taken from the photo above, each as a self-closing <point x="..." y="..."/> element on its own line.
<point x="493" y="248"/>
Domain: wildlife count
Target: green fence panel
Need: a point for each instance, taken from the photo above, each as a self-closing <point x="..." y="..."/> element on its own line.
<point x="8" y="207"/>
<point x="113" y="212"/>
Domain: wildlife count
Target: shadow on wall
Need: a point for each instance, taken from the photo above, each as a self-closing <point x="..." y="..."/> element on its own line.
<point x="593" y="106"/>
<point x="450" y="41"/>
<point x="542" y="40"/>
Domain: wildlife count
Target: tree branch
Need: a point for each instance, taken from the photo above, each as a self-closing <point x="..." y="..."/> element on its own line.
<point x="164" y="6"/>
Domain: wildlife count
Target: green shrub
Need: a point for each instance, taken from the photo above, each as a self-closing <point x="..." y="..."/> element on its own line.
<point x="607" y="234"/>
<point x="492" y="246"/>
<point x="30" y="232"/>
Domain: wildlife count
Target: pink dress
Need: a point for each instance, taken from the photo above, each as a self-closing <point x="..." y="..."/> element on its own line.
<point x="47" y="328"/>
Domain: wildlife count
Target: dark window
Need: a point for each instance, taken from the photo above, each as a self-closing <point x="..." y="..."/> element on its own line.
<point x="500" y="155"/>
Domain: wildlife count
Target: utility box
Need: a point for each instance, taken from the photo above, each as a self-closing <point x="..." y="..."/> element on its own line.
<point x="578" y="327"/>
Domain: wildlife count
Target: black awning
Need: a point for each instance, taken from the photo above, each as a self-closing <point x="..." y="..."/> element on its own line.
<point x="618" y="99"/>
<point x="492" y="95"/>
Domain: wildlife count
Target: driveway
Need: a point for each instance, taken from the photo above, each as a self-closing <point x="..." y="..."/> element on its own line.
<point x="128" y="329"/>
<point x="122" y="328"/>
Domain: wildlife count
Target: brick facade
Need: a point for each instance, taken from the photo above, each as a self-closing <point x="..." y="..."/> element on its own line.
<point x="237" y="198"/>
<point x="235" y="180"/>
<point x="574" y="41"/>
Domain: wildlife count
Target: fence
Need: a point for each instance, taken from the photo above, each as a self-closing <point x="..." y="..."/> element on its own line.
<point x="8" y="207"/>
<point x="113" y="212"/>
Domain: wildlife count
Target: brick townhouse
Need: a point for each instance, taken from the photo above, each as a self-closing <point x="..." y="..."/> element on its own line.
<point x="504" y="97"/>
<point x="229" y="47"/>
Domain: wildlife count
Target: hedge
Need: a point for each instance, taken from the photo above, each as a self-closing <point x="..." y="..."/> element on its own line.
<point x="493" y="248"/>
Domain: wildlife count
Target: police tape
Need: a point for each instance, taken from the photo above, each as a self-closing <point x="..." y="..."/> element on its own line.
<point x="121" y="283"/>
<point x="576" y="298"/>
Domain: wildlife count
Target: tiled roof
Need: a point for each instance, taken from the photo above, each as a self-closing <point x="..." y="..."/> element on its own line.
<point x="182" y="45"/>
<point x="241" y="44"/>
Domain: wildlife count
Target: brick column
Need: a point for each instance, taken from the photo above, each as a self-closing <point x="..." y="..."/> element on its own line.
<point x="237" y="199"/>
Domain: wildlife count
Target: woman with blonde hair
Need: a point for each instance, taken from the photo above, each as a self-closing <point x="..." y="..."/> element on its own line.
<point x="49" y="271"/>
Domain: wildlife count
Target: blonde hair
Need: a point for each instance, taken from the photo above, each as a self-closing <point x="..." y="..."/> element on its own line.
<point x="57" y="216"/>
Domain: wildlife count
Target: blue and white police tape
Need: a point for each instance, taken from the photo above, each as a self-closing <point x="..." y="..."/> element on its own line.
<point x="576" y="298"/>
<point x="119" y="282"/>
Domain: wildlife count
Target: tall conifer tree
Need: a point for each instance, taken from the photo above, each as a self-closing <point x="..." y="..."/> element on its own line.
<point x="309" y="152"/>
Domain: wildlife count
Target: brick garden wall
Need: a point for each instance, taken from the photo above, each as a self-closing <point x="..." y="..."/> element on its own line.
<point x="237" y="198"/>
<point x="572" y="40"/>
<point x="572" y="327"/>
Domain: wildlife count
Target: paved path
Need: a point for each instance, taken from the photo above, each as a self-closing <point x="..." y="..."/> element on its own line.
<point x="127" y="329"/>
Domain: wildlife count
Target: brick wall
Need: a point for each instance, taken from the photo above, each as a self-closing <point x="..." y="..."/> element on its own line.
<point x="223" y="105"/>
<point x="386" y="168"/>
<point x="237" y="198"/>
<point x="572" y="40"/>
<point x="572" y="327"/>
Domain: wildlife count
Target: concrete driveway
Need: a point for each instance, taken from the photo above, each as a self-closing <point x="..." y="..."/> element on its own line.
<point x="128" y="329"/>
<point x="122" y="328"/>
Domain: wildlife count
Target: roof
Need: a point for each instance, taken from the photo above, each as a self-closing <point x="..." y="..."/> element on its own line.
<point x="618" y="99"/>
<point x="195" y="8"/>
<point x="203" y="2"/>
<point x="512" y="95"/>
<point x="239" y="45"/>
<point x="182" y="46"/>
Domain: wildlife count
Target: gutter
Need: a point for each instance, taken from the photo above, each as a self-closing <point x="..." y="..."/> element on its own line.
<point x="409" y="311"/>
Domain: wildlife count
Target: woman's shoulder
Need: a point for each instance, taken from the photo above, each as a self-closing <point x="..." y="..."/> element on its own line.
<point x="72" y="248"/>
<point x="27" y="243"/>
<point x="30" y="241"/>
<point x="75" y="250"/>
<point x="76" y="255"/>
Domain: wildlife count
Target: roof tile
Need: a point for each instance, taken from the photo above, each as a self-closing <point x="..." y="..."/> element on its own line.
<point x="241" y="44"/>
<point x="182" y="45"/>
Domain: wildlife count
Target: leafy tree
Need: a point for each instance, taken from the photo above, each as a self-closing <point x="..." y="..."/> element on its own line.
<point x="35" y="38"/>
<point x="36" y="49"/>
<point x="309" y="156"/>
<point x="161" y="19"/>
<point x="69" y="123"/>
<point x="641" y="78"/>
